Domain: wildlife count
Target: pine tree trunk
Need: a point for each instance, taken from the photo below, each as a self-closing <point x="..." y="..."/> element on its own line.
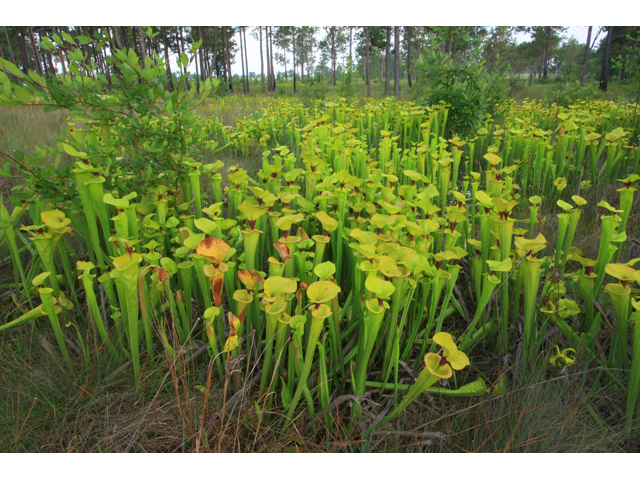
<point x="540" y="68"/>
<point x="246" y="58"/>
<point x="545" y="68"/>
<point x="293" y="43"/>
<point x="9" y="44"/>
<point x="143" y="46"/>
<point x="125" y="39"/>
<point x="228" y="48"/>
<point x="408" y="40"/>
<point x="54" y="71"/>
<point x="587" y="52"/>
<point x="166" y="57"/>
<point x="215" y="53"/>
<point x="333" y="55"/>
<point x="244" y="81"/>
<point x="396" y="62"/>
<point x="302" y="57"/>
<point x="350" y="42"/>
<point x="262" y="65"/>
<point x="604" y="75"/>
<point x="368" y="66"/>
<point x="34" y="48"/>
<point x="117" y="39"/>
<point x="387" y="71"/>
<point x="24" y="54"/>
<point x="273" y="73"/>
<point x="266" y="45"/>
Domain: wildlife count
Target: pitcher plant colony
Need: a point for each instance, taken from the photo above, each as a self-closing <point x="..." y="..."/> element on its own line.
<point x="365" y="244"/>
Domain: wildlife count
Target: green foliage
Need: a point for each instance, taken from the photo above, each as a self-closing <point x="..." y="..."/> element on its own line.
<point x="461" y="84"/>
<point x="315" y="89"/>
<point x="347" y="88"/>
<point x="498" y="89"/>
<point x="568" y="93"/>
<point x="139" y="128"/>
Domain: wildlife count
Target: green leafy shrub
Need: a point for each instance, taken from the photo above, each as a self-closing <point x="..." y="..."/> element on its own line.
<point x="347" y="88"/>
<point x="143" y="132"/>
<point x="459" y="83"/>
<point x="315" y="89"/>
<point x="567" y="93"/>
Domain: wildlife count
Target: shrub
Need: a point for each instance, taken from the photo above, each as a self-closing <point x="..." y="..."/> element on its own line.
<point x="347" y="88"/>
<point x="459" y="85"/>
<point x="315" y="89"/>
<point x="568" y="93"/>
<point x="464" y="85"/>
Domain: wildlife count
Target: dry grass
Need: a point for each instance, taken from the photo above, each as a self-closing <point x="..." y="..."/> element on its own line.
<point x="25" y="128"/>
<point x="31" y="126"/>
<point x="46" y="408"/>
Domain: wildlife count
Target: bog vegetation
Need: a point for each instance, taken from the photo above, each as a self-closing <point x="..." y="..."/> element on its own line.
<point x="348" y="260"/>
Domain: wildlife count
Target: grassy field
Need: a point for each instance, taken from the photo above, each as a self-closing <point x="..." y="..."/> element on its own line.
<point x="45" y="407"/>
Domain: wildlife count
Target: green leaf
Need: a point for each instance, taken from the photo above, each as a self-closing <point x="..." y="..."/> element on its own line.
<point x="184" y="59"/>
<point x="47" y="45"/>
<point x="132" y="58"/>
<point x="196" y="46"/>
<point x="76" y="56"/>
<point x="6" y="87"/>
<point x="84" y="39"/>
<point x="72" y="151"/>
<point x="22" y="94"/>
<point x="12" y="69"/>
<point x="36" y="78"/>
<point x="74" y="69"/>
<point x="68" y="38"/>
